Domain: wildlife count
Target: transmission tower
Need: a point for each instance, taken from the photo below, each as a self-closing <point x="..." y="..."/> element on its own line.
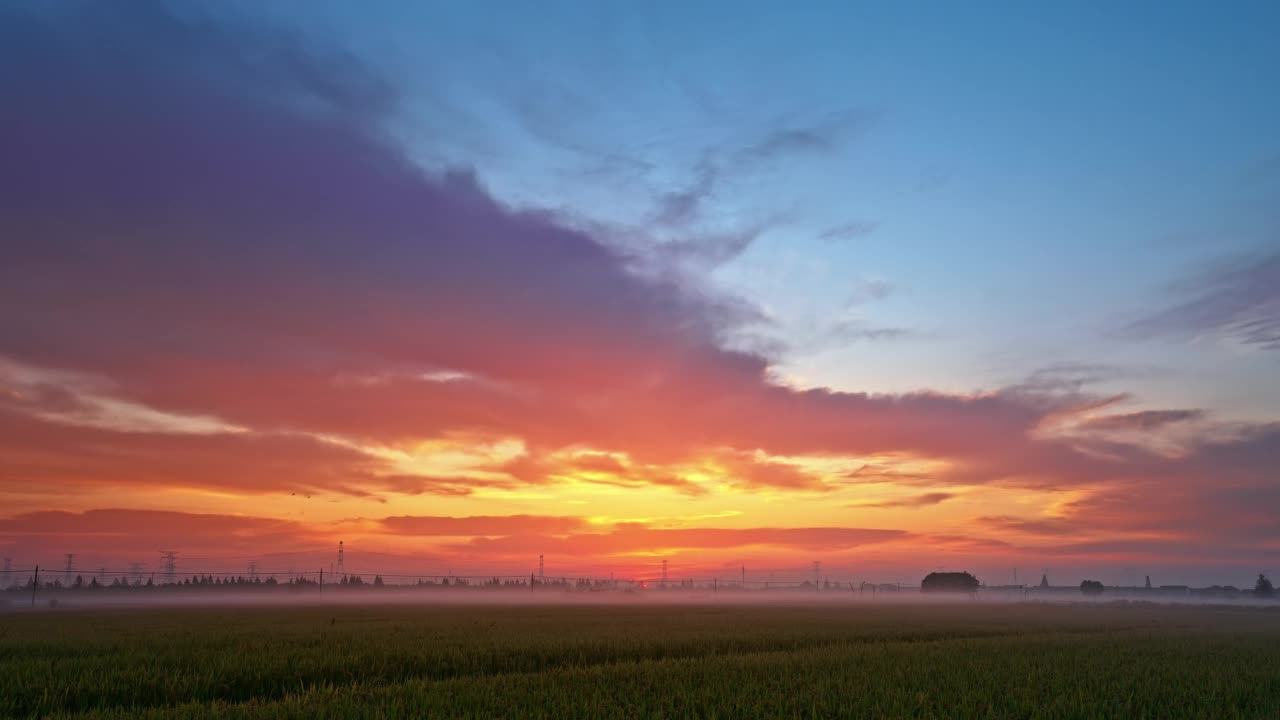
<point x="70" y="558"/>
<point x="817" y="574"/>
<point x="341" y="569"/>
<point x="253" y="570"/>
<point x="541" y="568"/>
<point x="169" y="564"/>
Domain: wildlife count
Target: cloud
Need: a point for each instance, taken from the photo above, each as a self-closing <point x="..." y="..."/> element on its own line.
<point x="849" y="231"/>
<point x="482" y="525"/>
<point x="41" y="452"/>
<point x="1029" y="526"/>
<point x="819" y="137"/>
<point x="136" y="534"/>
<point x="850" y="331"/>
<point x="629" y="539"/>
<point x="1239" y="301"/>
<point x="914" y="501"/>
<point x="231" y="277"/>
<point x="1148" y="420"/>
<point x="867" y="290"/>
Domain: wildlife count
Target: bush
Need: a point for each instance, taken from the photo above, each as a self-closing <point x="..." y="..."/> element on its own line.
<point x="1091" y="587"/>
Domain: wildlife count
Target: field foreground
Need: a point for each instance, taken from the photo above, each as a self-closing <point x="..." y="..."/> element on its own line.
<point x="630" y="661"/>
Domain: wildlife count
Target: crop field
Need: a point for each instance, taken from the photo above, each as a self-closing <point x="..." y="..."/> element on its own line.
<point x="644" y="661"/>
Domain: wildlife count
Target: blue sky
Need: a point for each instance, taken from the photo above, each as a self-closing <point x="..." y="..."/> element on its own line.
<point x="1017" y="184"/>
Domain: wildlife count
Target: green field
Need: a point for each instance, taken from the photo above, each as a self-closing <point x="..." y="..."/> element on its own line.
<point x="640" y="661"/>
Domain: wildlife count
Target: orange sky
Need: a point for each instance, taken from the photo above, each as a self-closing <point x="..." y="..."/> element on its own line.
<point x="239" y="319"/>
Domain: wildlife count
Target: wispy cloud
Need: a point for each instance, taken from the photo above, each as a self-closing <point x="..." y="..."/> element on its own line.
<point x="1239" y="301"/>
<point x="914" y="501"/>
<point x="849" y="231"/>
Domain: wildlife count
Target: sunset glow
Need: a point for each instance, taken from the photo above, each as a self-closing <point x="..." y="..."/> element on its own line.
<point x="600" y="289"/>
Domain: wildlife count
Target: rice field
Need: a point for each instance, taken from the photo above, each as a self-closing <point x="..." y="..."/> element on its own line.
<point x="644" y="661"/>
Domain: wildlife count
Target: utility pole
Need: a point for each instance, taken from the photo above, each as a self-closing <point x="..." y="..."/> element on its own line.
<point x="342" y="570"/>
<point x="541" y="568"/>
<point x="744" y="577"/>
<point x="817" y="573"/>
<point x="35" y="583"/>
<point x="169" y="564"/>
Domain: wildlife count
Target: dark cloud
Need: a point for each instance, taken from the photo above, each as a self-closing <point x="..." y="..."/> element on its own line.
<point x="914" y="501"/>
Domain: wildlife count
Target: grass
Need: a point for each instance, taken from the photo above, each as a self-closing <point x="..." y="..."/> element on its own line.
<point x="638" y="661"/>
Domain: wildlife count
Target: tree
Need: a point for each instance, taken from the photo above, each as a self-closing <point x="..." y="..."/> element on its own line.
<point x="1264" y="588"/>
<point x="377" y="580"/>
<point x="1091" y="587"/>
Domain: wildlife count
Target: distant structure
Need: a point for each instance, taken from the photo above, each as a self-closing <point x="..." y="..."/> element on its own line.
<point x="1148" y="582"/>
<point x="1091" y="587"/>
<point x="8" y="568"/>
<point x="70" y="559"/>
<point x="541" y="568"/>
<point x="949" y="582"/>
<point x="169" y="565"/>
<point x="341" y="568"/>
<point x="253" y="570"/>
<point x="1044" y="580"/>
<point x="135" y="571"/>
<point x="664" y="573"/>
<point x="817" y="573"/>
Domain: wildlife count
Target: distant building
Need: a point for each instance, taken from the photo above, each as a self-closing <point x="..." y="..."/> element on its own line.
<point x="949" y="582"/>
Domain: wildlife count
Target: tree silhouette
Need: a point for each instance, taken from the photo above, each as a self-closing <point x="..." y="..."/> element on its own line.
<point x="1091" y="587"/>
<point x="1264" y="588"/>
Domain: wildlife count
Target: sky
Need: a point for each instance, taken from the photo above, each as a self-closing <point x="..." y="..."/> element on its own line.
<point x="892" y="287"/>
